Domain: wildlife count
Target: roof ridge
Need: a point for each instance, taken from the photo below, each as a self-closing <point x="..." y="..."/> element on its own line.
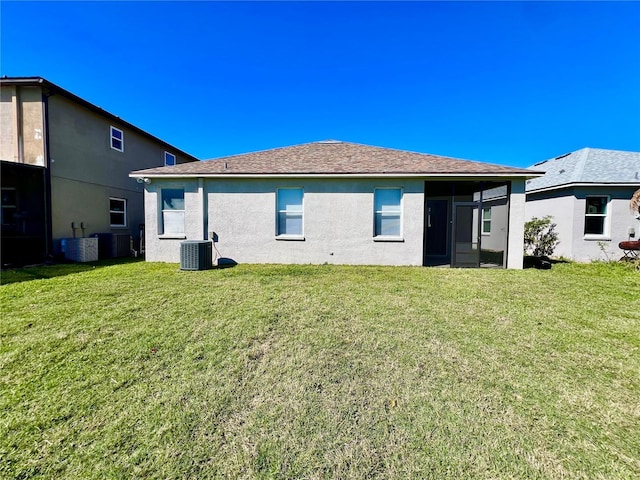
<point x="578" y="170"/>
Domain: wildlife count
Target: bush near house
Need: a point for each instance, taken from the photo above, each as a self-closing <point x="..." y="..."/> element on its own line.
<point x="141" y="370"/>
<point x="540" y="236"/>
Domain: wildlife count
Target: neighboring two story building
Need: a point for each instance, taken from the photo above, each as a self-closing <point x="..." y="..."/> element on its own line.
<point x="65" y="167"/>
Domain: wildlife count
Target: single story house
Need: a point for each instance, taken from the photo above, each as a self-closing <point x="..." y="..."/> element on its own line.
<point x="339" y="202"/>
<point x="587" y="192"/>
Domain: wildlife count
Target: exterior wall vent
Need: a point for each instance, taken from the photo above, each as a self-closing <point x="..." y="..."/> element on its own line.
<point x="195" y="255"/>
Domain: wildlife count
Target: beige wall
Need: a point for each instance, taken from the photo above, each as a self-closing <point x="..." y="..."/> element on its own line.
<point x="86" y="171"/>
<point x="22" y="125"/>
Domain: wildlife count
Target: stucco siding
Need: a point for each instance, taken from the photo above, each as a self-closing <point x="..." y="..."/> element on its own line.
<point x="561" y="210"/>
<point x="567" y="207"/>
<point x="8" y="124"/>
<point x="588" y="248"/>
<point x="22" y="125"/>
<point x="86" y="171"/>
<point x="338" y="222"/>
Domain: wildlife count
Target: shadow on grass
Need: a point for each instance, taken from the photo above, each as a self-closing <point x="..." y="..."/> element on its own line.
<point x="542" y="262"/>
<point x="38" y="272"/>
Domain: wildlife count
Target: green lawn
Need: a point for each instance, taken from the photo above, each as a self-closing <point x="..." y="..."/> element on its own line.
<point x="141" y="370"/>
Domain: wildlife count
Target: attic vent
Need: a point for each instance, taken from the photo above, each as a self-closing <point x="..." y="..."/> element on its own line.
<point x="329" y="142"/>
<point x="562" y="156"/>
<point x="562" y="171"/>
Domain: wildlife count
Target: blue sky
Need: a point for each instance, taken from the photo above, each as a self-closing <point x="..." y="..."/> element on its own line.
<point x="503" y="82"/>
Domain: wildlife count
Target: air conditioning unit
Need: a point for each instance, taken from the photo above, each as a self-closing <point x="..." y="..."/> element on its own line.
<point x="195" y="255"/>
<point x="80" y="249"/>
<point x="121" y="246"/>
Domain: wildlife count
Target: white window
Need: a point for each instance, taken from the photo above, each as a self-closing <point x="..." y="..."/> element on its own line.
<point x="118" y="212"/>
<point x="169" y="159"/>
<point x="117" y="139"/>
<point x="290" y="212"/>
<point x="596" y="222"/>
<point x="387" y="212"/>
<point x="173" y="211"/>
<point x="486" y="220"/>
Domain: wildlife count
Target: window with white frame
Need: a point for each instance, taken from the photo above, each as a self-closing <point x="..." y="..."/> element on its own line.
<point x="172" y="211"/>
<point x="290" y="212"/>
<point x="387" y="212"/>
<point x="596" y="222"/>
<point x="117" y="139"/>
<point x="118" y="212"/>
<point x="486" y="220"/>
<point x="169" y="159"/>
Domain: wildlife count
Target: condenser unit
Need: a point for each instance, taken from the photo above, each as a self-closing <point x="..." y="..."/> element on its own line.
<point x="80" y="249"/>
<point x="121" y="246"/>
<point x="195" y="255"/>
<point x="113" y="245"/>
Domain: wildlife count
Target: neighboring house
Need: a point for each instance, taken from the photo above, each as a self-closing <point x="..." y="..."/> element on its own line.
<point x="587" y="192"/>
<point x="342" y="203"/>
<point x="66" y="162"/>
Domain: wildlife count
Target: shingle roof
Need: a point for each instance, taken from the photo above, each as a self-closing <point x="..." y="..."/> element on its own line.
<point x="333" y="157"/>
<point x="588" y="165"/>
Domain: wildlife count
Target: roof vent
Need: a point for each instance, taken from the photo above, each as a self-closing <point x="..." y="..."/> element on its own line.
<point x="565" y="155"/>
<point x="329" y="142"/>
<point x="562" y="171"/>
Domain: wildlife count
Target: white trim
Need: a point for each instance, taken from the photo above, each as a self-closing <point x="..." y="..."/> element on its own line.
<point x="606" y="226"/>
<point x="571" y="185"/>
<point x="400" y="212"/>
<point x="289" y="236"/>
<point x="470" y="176"/>
<point x="124" y="212"/>
<point x="161" y="211"/>
<point x="112" y="138"/>
<point x="165" y="159"/>
<point x="490" y="220"/>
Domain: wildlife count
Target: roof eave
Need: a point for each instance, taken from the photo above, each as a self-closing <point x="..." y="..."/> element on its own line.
<point x="584" y="184"/>
<point x="142" y="174"/>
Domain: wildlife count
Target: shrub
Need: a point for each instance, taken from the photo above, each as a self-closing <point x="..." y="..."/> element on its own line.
<point x="540" y="237"/>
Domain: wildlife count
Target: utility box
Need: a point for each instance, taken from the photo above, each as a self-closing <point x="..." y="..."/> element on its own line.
<point x="195" y="255"/>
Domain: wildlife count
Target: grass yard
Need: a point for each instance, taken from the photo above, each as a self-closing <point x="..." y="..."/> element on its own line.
<point x="141" y="370"/>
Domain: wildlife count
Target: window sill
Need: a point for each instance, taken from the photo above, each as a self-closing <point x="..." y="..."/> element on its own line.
<point x="382" y="238"/>
<point x="295" y="238"/>
<point x="172" y="236"/>
<point x="601" y="238"/>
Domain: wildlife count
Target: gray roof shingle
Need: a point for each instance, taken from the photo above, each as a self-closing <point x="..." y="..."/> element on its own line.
<point x="333" y="157"/>
<point x="588" y="165"/>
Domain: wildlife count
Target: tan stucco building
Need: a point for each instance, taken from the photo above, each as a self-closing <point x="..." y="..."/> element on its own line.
<point x="65" y="165"/>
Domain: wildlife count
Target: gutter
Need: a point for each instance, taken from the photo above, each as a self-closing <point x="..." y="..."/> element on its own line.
<point x="583" y="184"/>
<point x="141" y="174"/>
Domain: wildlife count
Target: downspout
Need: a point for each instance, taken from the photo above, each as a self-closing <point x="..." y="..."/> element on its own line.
<point x="47" y="175"/>
<point x="19" y="127"/>
<point x="203" y="205"/>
